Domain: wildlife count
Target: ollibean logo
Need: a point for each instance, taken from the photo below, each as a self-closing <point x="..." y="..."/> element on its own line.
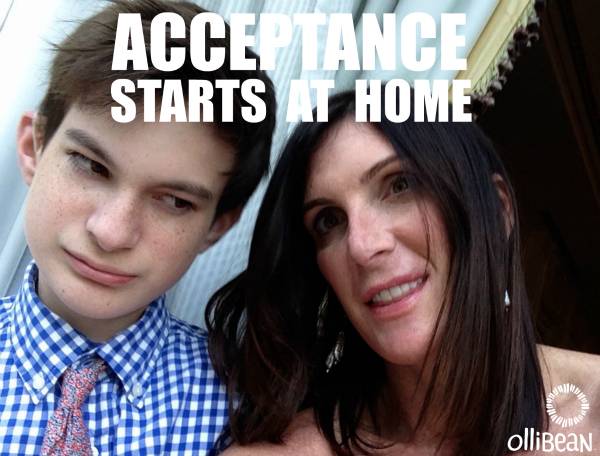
<point x="565" y="389"/>
<point x="559" y="442"/>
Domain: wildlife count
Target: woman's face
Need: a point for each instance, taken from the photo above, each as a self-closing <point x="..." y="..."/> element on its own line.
<point x="370" y="230"/>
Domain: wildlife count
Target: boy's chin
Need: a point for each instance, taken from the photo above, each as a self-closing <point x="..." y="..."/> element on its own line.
<point x="90" y="308"/>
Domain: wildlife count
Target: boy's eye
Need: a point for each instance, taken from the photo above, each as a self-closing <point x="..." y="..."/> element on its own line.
<point x="327" y="220"/>
<point x="176" y="204"/>
<point x="87" y="165"/>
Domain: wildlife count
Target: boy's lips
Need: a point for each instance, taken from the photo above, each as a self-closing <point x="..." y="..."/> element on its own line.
<point x="101" y="274"/>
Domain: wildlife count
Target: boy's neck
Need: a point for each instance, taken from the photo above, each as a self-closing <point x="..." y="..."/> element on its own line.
<point x="96" y="329"/>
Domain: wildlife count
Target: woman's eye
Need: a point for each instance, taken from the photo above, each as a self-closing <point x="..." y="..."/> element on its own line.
<point x="326" y="220"/>
<point x="87" y="165"/>
<point x="176" y="204"/>
<point x="399" y="184"/>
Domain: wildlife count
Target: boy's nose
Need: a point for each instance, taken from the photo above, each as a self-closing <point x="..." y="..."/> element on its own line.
<point x="115" y="224"/>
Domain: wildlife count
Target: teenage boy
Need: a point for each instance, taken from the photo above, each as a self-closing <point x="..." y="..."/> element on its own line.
<point x="91" y="362"/>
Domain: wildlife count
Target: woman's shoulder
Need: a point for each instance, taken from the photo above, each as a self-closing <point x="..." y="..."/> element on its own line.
<point x="560" y="366"/>
<point x="302" y="438"/>
<point x="570" y="366"/>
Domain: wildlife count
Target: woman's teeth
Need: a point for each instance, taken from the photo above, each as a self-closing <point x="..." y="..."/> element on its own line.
<point x="394" y="293"/>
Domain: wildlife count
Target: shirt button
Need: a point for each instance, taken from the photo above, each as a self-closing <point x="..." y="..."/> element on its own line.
<point x="38" y="381"/>
<point x="137" y="390"/>
<point x="95" y="451"/>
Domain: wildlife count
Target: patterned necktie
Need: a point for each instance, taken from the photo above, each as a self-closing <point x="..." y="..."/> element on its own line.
<point x="66" y="432"/>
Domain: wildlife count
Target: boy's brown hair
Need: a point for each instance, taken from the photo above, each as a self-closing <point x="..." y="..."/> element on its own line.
<point x="81" y="74"/>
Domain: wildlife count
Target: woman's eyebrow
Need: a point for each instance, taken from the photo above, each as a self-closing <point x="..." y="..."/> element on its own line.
<point x="315" y="202"/>
<point x="377" y="167"/>
<point x="366" y="177"/>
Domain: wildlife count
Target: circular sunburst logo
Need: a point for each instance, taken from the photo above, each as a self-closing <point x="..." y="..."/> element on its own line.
<point x="565" y="389"/>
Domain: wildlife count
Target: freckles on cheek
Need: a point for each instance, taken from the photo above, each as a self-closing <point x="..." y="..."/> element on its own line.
<point x="160" y="245"/>
<point x="171" y="244"/>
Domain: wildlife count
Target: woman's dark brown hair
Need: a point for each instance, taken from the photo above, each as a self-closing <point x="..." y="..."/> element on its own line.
<point x="263" y="333"/>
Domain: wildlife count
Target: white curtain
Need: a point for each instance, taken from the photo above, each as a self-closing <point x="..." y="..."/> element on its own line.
<point x="30" y="25"/>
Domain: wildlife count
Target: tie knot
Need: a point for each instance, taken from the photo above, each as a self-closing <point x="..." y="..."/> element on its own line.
<point x="78" y="384"/>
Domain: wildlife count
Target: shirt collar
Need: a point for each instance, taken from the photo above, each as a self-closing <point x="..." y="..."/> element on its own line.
<point x="134" y="352"/>
<point x="45" y="345"/>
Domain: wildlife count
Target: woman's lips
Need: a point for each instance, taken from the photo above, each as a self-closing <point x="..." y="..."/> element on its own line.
<point x="397" y="299"/>
<point x="397" y="282"/>
<point x="391" y="294"/>
<point x="102" y="275"/>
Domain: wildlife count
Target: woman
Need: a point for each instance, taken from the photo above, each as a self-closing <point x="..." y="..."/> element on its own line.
<point x="384" y="300"/>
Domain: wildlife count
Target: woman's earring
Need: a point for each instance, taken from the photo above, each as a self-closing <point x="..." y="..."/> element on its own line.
<point x="335" y="355"/>
<point x="506" y="301"/>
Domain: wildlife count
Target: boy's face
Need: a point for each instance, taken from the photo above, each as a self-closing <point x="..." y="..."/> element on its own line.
<point x="117" y="212"/>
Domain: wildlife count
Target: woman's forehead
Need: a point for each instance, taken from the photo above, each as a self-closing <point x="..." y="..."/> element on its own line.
<point x="343" y="129"/>
<point x="348" y="159"/>
<point x="348" y="148"/>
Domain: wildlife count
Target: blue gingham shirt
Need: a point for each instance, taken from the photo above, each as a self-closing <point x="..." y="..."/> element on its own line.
<point x="158" y="395"/>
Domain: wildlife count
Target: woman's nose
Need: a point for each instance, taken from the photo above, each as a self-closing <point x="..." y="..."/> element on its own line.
<point x="368" y="235"/>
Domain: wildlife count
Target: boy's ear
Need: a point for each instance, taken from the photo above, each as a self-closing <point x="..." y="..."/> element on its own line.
<point x="506" y="200"/>
<point x="221" y="225"/>
<point x="29" y="145"/>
